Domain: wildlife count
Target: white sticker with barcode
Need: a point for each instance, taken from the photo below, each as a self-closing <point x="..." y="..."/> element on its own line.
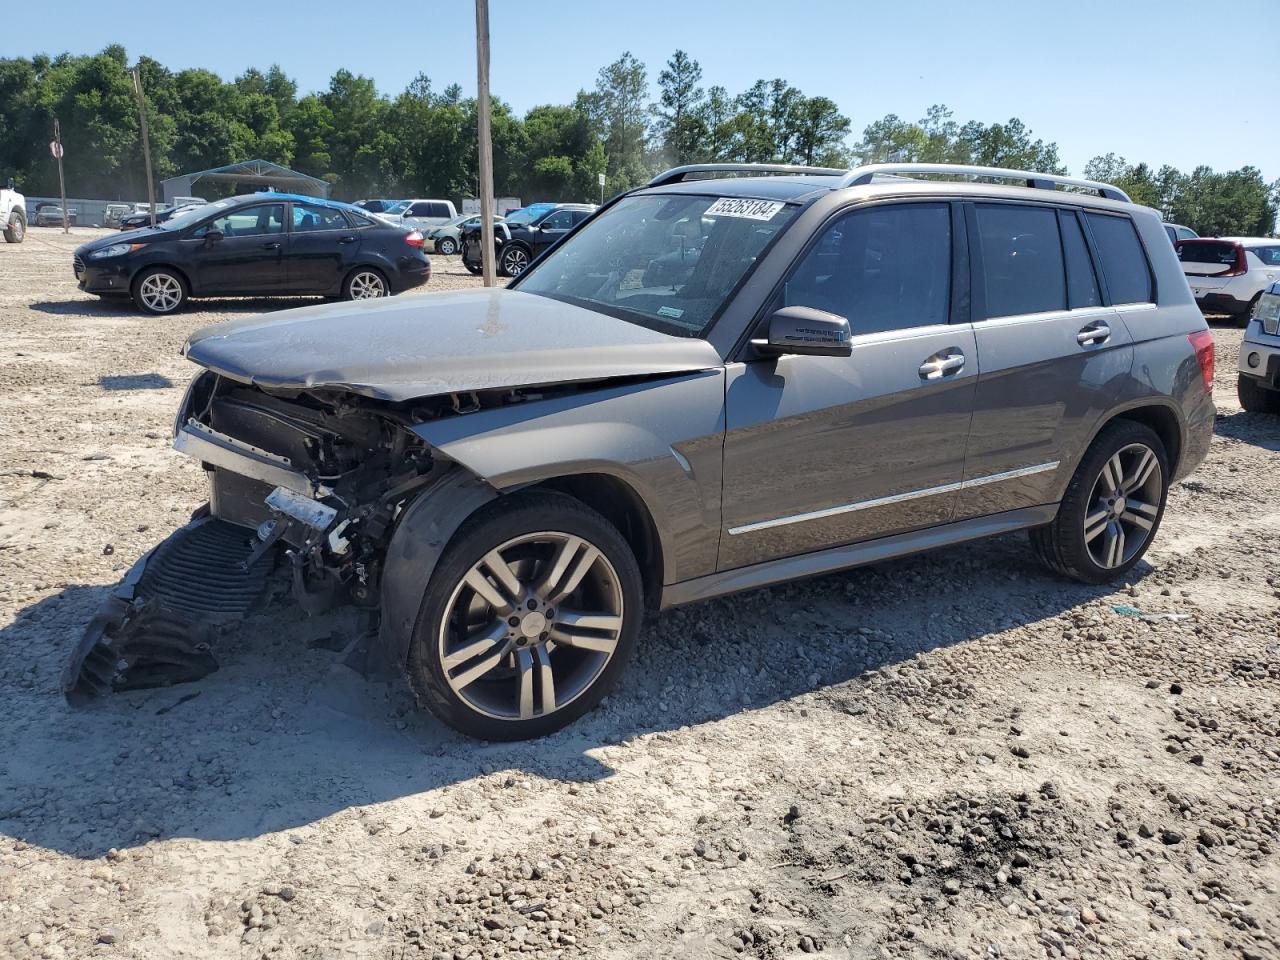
<point x="744" y="208"/>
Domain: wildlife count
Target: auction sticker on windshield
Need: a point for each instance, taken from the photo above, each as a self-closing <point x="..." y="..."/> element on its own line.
<point x="746" y="209"/>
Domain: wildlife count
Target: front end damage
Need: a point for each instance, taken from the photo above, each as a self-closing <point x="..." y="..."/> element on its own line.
<point x="305" y="489"/>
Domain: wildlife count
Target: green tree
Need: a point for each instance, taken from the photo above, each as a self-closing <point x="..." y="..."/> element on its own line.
<point x="619" y="111"/>
<point x="681" y="127"/>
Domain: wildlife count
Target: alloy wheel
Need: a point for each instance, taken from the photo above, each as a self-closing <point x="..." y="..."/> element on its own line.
<point x="531" y="626"/>
<point x="19" y="229"/>
<point x="367" y="285"/>
<point x="1124" y="505"/>
<point x="160" y="292"/>
<point x="448" y="247"/>
<point x="515" y="260"/>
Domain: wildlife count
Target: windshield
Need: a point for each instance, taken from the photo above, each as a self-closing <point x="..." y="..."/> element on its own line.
<point x="193" y="215"/>
<point x="529" y="214"/>
<point x="665" y="262"/>
<point x="400" y="206"/>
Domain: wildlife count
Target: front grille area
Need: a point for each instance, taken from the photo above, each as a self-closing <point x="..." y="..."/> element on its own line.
<point x="77" y="265"/>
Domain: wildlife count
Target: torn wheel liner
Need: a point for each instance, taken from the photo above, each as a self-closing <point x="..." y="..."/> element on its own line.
<point x="158" y="626"/>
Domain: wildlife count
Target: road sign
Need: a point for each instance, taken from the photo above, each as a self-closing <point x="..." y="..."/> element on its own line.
<point x="600" y="179"/>
<point x="55" y="149"/>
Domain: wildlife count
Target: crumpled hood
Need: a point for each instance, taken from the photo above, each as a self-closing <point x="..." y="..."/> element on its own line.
<point x="402" y="348"/>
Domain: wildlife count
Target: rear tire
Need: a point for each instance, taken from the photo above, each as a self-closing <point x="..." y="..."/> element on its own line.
<point x="15" y="230"/>
<point x="1255" y="397"/>
<point x="447" y="247"/>
<point x="474" y="269"/>
<point x="159" y="291"/>
<point x="1245" y="317"/>
<point x="365" y="283"/>
<point x="1112" y="508"/>
<point x="571" y="604"/>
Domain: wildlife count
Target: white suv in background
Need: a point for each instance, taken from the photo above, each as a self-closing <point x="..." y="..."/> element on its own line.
<point x="1228" y="274"/>
<point x="419" y="214"/>
<point x="1259" y="383"/>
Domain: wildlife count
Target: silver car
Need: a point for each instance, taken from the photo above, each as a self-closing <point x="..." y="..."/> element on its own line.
<point x="711" y="385"/>
<point x="1228" y="274"/>
<point x="446" y="239"/>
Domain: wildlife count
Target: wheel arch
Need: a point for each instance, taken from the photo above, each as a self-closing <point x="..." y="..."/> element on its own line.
<point x="163" y="265"/>
<point x="622" y="505"/>
<point x="1163" y="420"/>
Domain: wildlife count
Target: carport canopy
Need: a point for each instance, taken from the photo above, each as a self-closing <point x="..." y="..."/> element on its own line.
<point x="253" y="174"/>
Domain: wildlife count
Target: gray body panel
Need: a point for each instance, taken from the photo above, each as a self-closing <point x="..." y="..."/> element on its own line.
<point x="816" y="433"/>
<point x="663" y="438"/>
<point x="404" y="348"/>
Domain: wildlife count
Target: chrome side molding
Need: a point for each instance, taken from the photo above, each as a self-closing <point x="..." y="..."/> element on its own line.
<point x="895" y="498"/>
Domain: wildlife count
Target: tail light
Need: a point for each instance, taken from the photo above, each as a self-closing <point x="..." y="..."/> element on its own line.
<point x="1241" y="266"/>
<point x="1202" y="343"/>
<point x="414" y="238"/>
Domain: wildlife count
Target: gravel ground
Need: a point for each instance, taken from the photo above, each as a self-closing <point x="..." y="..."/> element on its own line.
<point x="955" y="755"/>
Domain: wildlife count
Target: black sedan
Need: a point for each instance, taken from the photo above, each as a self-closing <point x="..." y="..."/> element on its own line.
<point x="135" y="221"/>
<point x="258" y="245"/>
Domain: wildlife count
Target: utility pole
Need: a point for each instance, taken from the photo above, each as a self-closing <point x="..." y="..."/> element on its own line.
<point x="486" y="144"/>
<point x="146" y="141"/>
<point x="56" y="149"/>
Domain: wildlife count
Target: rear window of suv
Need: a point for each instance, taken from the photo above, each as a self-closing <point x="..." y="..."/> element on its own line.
<point x="1207" y="251"/>
<point x="1124" y="262"/>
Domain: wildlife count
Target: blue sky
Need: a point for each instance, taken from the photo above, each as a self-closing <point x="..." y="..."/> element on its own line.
<point x="1155" y="80"/>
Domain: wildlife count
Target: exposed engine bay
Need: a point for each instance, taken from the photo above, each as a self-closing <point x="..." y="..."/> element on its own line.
<point x="305" y="488"/>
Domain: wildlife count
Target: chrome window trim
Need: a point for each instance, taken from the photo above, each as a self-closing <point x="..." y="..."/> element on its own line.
<point x="894" y="498"/>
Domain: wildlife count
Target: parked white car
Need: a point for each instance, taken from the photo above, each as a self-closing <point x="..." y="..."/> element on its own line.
<point x="13" y="214"/>
<point x="1228" y="274"/>
<point x="421" y="214"/>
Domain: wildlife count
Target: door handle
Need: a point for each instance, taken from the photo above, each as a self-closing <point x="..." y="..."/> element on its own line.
<point x="271" y="246"/>
<point x="941" y="365"/>
<point x="346" y="239"/>
<point x="1094" y="333"/>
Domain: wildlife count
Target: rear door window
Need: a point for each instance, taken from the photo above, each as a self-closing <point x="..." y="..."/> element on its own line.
<point x="1021" y="259"/>
<point x="1082" y="283"/>
<point x="1268" y="255"/>
<point x="308" y="218"/>
<point x="882" y="268"/>
<point x="1124" y="262"/>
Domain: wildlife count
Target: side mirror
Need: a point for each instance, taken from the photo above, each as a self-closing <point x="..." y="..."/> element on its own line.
<point x="212" y="235"/>
<point x="807" y="332"/>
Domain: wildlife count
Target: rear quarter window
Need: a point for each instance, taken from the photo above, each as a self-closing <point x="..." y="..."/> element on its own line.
<point x="1124" y="262"/>
<point x="1268" y="255"/>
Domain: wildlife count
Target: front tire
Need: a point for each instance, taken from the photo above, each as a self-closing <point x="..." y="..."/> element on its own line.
<point x="1112" y="508"/>
<point x="1255" y="397"/>
<point x="514" y="261"/>
<point x="529" y="618"/>
<point x="159" y="291"/>
<point x="365" y="283"/>
<point x="15" y="230"/>
<point x="447" y="247"/>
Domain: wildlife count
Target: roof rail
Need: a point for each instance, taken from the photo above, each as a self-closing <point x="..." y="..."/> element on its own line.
<point x="1039" y="181"/>
<point x="680" y="174"/>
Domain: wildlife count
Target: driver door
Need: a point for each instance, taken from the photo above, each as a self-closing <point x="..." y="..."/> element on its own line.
<point x="826" y="451"/>
<point x="250" y="256"/>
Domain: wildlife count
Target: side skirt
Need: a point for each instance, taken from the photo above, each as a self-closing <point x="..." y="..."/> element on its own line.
<point x="852" y="555"/>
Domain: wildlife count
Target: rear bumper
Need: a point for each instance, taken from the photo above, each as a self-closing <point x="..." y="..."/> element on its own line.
<point x="1215" y="301"/>
<point x="412" y="273"/>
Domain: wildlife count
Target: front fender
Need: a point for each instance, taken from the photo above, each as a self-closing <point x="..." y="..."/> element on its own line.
<point x="664" y="438"/>
<point x="420" y="536"/>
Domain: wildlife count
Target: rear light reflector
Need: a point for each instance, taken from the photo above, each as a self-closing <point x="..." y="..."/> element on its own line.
<point x="1202" y="343"/>
<point x="414" y="238"/>
<point x="1241" y="267"/>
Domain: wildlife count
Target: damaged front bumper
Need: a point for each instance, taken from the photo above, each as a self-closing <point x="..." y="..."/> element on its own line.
<point x="159" y="625"/>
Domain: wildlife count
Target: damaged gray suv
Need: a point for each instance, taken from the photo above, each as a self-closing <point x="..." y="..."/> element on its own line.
<point x="735" y="376"/>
